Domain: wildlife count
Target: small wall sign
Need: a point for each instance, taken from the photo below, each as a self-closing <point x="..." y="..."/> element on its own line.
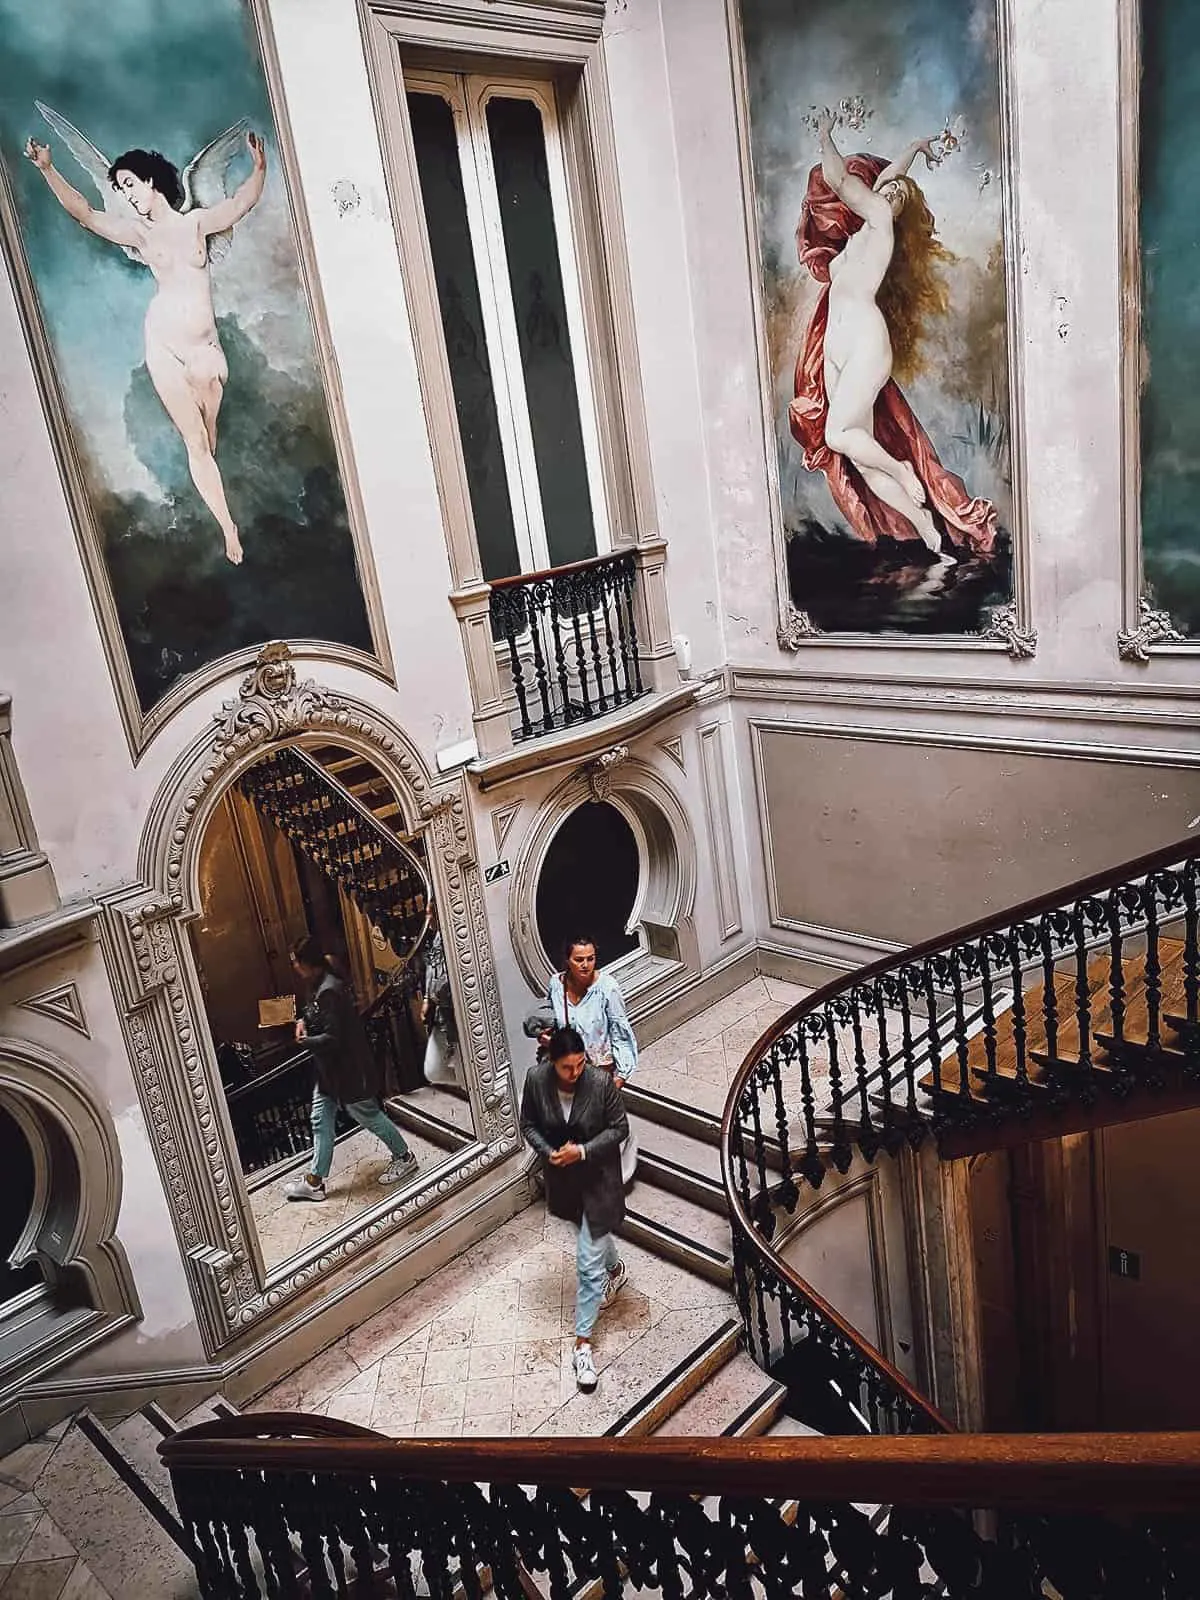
<point x="498" y="870"/>
<point x="1124" y="1263"/>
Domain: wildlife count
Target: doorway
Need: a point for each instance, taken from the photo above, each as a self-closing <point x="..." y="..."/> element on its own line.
<point x="589" y="884"/>
<point x="1087" y="1278"/>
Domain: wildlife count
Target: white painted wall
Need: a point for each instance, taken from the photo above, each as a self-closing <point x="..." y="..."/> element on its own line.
<point x="672" y="92"/>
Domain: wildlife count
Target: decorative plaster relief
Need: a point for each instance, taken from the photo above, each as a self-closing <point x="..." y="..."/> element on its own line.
<point x="147" y="944"/>
<point x="60" y="1004"/>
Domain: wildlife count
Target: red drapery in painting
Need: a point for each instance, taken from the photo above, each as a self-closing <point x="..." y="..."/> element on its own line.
<point x="826" y="224"/>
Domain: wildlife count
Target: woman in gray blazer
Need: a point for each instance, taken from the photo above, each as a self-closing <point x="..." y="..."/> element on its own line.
<point x="572" y="1115"/>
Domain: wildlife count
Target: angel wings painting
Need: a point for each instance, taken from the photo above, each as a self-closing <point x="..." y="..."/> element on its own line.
<point x="176" y="224"/>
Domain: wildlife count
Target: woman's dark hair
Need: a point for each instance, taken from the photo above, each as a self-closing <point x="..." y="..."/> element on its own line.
<point x="565" y="1042"/>
<point x="307" y="952"/>
<point x="579" y="938"/>
<point x="153" y="169"/>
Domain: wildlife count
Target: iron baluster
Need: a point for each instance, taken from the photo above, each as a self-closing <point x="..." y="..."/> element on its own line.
<point x="884" y="1054"/>
<point x="551" y="603"/>
<point x="961" y="1042"/>
<point x="788" y="1191"/>
<point x="593" y="597"/>
<point x="906" y="1048"/>
<point x="841" y="1151"/>
<point x="935" y="1043"/>
<point x="989" y="1010"/>
<point x="1153" y="966"/>
<point x="580" y="656"/>
<point x="1191" y="946"/>
<point x="1020" y="1025"/>
<point x="1083" y="998"/>
<point x="812" y="1165"/>
<point x="628" y="629"/>
<point x="540" y="671"/>
<point x="1049" y="991"/>
<point x="868" y="1143"/>
<point x="607" y="589"/>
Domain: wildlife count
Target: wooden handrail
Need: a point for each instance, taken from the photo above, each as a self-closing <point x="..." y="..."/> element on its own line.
<point x="1093" y="884"/>
<point x="1099" y="1472"/>
<point x="519" y="579"/>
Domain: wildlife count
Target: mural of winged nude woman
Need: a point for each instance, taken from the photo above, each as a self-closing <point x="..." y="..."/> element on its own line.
<point x="177" y="225"/>
<point x="867" y="236"/>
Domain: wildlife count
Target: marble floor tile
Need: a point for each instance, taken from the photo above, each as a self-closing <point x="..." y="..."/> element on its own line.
<point x="38" y="1580"/>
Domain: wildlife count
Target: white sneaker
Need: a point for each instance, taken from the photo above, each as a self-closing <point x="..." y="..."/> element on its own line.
<point x="303" y="1190"/>
<point x="616" y="1282"/>
<point x="399" y="1171"/>
<point x="585" y="1368"/>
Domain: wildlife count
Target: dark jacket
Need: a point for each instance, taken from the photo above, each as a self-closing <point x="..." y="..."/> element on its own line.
<point x="591" y="1187"/>
<point x="345" y="1063"/>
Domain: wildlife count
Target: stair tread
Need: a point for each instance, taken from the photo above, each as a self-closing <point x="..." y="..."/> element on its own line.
<point x="683" y="1217"/>
<point x="722" y="1400"/>
<point x="138" y="1440"/>
<point x="785" y="1427"/>
<point x="117" y="1538"/>
<point x="694" y="1155"/>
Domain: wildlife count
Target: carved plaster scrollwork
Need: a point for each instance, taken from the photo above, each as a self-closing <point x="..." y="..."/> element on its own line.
<point x="600" y="771"/>
<point x="146" y="943"/>
<point x="796" y="628"/>
<point x="1004" y="627"/>
<point x="1154" y="627"/>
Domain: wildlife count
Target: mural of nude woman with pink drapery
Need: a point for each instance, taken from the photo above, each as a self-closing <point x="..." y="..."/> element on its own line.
<point x="884" y="257"/>
<point x="866" y="230"/>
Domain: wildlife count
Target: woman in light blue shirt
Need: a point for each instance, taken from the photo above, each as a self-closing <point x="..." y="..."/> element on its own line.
<point x="592" y="1003"/>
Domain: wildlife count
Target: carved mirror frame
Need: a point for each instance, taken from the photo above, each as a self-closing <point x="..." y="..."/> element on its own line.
<point x="167" y="1032"/>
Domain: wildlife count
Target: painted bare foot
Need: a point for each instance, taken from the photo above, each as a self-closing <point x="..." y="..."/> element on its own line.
<point x="925" y="526"/>
<point x="233" y="547"/>
<point x="911" y="484"/>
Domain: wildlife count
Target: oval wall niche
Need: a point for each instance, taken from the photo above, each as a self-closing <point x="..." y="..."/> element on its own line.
<point x="589" y="883"/>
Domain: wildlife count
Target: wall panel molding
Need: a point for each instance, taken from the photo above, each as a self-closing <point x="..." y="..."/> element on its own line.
<point x="715" y="775"/>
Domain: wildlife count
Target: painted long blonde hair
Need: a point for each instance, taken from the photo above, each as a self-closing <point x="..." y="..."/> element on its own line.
<point x="915" y="290"/>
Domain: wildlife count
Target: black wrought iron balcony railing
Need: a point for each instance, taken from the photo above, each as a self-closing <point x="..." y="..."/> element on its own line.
<point x="571" y="639"/>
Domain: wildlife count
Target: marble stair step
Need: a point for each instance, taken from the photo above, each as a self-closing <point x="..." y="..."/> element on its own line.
<point x="138" y="1439"/>
<point x="651" y="1377"/>
<point x="680" y="1231"/>
<point x="674" y="1144"/>
<point x="679" y="1163"/>
<point x="738" y="1401"/>
<point x="126" y="1549"/>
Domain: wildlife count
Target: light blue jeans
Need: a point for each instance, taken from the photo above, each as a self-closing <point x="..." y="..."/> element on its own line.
<point x="366" y="1113"/>
<point x="594" y="1260"/>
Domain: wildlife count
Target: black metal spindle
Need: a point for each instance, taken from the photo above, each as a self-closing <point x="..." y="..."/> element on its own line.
<point x="1018" y="938"/>
<point x="962" y="1044"/>
<point x="592" y="599"/>
<point x="1191" y="946"/>
<point x="841" y="1149"/>
<point x="1083" y="998"/>
<point x="541" y="667"/>
<point x="1153" y="966"/>
<point x="867" y="1141"/>
<point x="1049" y="992"/>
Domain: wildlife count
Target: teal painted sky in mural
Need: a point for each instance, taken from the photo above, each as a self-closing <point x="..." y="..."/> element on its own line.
<point x="1170" y="238"/>
<point x="171" y="75"/>
<point x="918" y="67"/>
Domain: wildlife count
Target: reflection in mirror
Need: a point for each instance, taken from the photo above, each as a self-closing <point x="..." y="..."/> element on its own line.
<point x="310" y="854"/>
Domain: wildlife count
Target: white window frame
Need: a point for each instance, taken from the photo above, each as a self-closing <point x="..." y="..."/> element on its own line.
<point x="468" y="94"/>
